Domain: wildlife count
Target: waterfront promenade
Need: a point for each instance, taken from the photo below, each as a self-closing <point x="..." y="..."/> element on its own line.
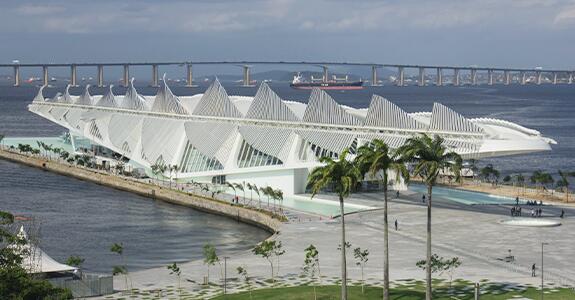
<point x="475" y="235"/>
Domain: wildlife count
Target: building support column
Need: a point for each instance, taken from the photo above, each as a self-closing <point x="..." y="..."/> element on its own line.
<point x="456" y="77"/>
<point x="374" y="76"/>
<point x="247" y="79"/>
<point x="154" y="82"/>
<point x="473" y="76"/>
<point x="439" y="77"/>
<point x="73" y="76"/>
<point x="421" y="76"/>
<point x="100" y="76"/>
<point x="45" y="75"/>
<point x="507" y="77"/>
<point x="189" y="76"/>
<point x="401" y="76"/>
<point x="325" y="79"/>
<point x="126" y="76"/>
<point x="16" y="75"/>
<point x="490" y="77"/>
<point x="538" y="77"/>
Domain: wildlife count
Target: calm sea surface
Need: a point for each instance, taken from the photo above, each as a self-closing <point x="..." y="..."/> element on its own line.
<point x="84" y="219"/>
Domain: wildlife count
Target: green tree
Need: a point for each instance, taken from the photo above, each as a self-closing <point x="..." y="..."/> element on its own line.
<point x="361" y="257"/>
<point x="430" y="157"/>
<point x="541" y="179"/>
<point x="343" y="176"/>
<point x="311" y="266"/>
<point x="269" y="249"/>
<point x="240" y="186"/>
<point x="75" y="261"/>
<point x="175" y="270"/>
<point x="563" y="182"/>
<point x="121" y="269"/>
<point x="441" y="265"/>
<point x="210" y="257"/>
<point x="243" y="272"/>
<point x="15" y="282"/>
<point x="233" y="187"/>
<point x="376" y="159"/>
<point x="489" y="173"/>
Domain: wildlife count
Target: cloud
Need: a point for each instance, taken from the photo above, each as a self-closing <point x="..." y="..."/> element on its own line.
<point x="39" y="10"/>
<point x="565" y="17"/>
<point x="283" y="15"/>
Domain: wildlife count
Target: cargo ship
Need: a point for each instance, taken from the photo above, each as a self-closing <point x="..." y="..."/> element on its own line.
<point x="335" y="84"/>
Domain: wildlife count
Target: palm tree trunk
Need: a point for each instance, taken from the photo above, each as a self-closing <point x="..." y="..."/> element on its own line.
<point x="343" y="266"/>
<point x="385" y="242"/>
<point x="428" y="261"/>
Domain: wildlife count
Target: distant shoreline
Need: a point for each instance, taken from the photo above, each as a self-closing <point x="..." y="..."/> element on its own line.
<point x="197" y="202"/>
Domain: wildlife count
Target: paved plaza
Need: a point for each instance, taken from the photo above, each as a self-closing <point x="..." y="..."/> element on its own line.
<point x="476" y="237"/>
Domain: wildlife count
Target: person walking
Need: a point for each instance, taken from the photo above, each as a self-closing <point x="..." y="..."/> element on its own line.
<point x="397" y="194"/>
<point x="517" y="201"/>
<point x="423" y="198"/>
<point x="396" y="225"/>
<point x="533" y="270"/>
<point x="562" y="214"/>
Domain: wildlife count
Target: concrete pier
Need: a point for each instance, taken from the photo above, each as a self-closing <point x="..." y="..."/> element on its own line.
<point x="325" y="78"/>
<point x="439" y="77"/>
<point x="507" y="77"/>
<point x="456" y="77"/>
<point x="490" y="77"/>
<point x="374" y="76"/>
<point x="189" y="76"/>
<point x="538" y="77"/>
<point x="16" y="75"/>
<point x="100" y="75"/>
<point x="421" y="76"/>
<point x="154" y="82"/>
<point x="554" y="77"/>
<point x="570" y="78"/>
<point x="45" y="75"/>
<point x="247" y="80"/>
<point x="473" y="76"/>
<point x="73" y="76"/>
<point x="522" y="78"/>
<point x="126" y="76"/>
<point x="401" y="76"/>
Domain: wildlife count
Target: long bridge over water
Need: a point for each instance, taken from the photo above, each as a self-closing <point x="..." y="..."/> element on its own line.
<point x="521" y="74"/>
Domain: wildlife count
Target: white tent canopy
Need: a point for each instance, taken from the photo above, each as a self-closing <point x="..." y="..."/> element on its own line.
<point x="37" y="261"/>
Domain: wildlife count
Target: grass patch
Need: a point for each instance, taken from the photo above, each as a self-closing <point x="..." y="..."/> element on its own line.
<point x="462" y="292"/>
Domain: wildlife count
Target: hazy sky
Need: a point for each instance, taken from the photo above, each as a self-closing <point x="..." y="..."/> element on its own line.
<point x="514" y="33"/>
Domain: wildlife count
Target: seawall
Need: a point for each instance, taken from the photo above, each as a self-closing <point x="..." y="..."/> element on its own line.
<point x="198" y="202"/>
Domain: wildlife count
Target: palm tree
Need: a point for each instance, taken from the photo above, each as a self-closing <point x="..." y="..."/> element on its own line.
<point x="251" y="188"/>
<point x="233" y="187"/>
<point x="279" y="195"/>
<point x="257" y="190"/>
<point x="268" y="191"/>
<point x="431" y="158"/>
<point x="541" y="178"/>
<point x="343" y="176"/>
<point x="240" y="186"/>
<point x="563" y="183"/>
<point x="377" y="159"/>
<point x="176" y="169"/>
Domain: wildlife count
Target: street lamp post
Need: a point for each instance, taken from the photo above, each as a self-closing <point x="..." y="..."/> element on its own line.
<point x="542" y="284"/>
